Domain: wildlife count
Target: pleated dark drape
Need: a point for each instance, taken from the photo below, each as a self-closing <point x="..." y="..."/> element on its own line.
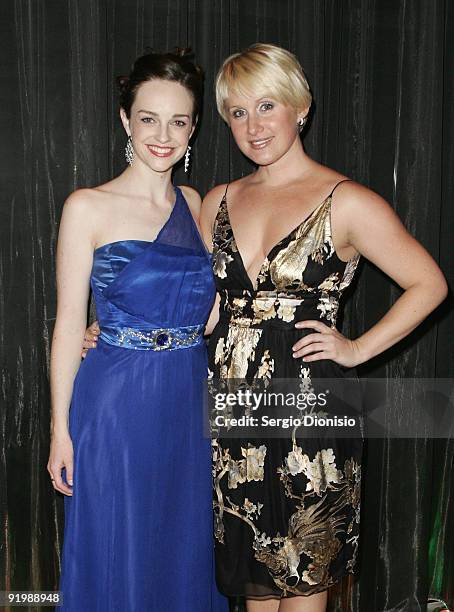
<point x="382" y="76"/>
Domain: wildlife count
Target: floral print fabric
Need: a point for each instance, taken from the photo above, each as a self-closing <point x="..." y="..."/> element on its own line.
<point x="287" y="510"/>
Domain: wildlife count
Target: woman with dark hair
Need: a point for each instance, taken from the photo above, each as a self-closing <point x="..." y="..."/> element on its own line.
<point x="127" y="447"/>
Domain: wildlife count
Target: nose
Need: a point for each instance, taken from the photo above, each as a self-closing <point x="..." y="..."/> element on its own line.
<point x="253" y="125"/>
<point x="163" y="133"/>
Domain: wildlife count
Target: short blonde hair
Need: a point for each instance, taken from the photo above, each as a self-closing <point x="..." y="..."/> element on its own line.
<point x="263" y="68"/>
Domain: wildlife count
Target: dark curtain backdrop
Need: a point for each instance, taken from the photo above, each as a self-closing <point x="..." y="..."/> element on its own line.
<point x="382" y="76"/>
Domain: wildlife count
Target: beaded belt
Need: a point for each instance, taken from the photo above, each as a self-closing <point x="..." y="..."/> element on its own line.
<point x="160" y="339"/>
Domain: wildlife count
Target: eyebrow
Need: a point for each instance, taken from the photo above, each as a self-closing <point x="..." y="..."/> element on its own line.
<point x="258" y="101"/>
<point x="157" y="115"/>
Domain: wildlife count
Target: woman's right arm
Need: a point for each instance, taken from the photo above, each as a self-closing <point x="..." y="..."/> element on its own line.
<point x="74" y="262"/>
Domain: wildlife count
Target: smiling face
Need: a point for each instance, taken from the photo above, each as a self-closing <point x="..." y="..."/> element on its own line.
<point x="160" y="123"/>
<point x="264" y="129"/>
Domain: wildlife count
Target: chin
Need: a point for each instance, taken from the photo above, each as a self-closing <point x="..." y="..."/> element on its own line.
<point x="267" y="156"/>
<point x="262" y="158"/>
<point x="161" y="165"/>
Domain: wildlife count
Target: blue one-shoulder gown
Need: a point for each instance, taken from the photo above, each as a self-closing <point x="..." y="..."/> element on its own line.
<point x="138" y="527"/>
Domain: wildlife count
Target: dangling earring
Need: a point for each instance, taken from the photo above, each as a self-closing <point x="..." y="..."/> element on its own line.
<point x="186" y="158"/>
<point x="301" y="123"/>
<point x="129" y="151"/>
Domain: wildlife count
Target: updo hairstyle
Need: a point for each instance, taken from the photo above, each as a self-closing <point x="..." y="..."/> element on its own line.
<point x="177" y="66"/>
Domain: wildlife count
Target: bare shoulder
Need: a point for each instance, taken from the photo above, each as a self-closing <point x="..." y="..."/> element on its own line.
<point x="84" y="204"/>
<point x="215" y="195"/>
<point x="367" y="222"/>
<point x="82" y="215"/>
<point x="81" y="198"/>
<point x="375" y="230"/>
<point x="355" y="202"/>
<point x="193" y="199"/>
<point x="236" y="187"/>
<point x="211" y="202"/>
<point x="99" y="198"/>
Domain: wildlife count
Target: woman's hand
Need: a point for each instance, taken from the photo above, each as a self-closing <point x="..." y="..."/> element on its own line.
<point x="90" y="338"/>
<point x="326" y="343"/>
<point x="61" y="456"/>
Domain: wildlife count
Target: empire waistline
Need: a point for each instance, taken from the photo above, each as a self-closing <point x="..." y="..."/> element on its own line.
<point x="153" y="339"/>
<point x="281" y="311"/>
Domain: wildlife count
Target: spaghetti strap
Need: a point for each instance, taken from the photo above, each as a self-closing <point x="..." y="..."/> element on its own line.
<point x="222" y="204"/>
<point x="337" y="185"/>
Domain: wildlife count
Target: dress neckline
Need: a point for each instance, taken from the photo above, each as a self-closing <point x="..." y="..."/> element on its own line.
<point x="254" y="283"/>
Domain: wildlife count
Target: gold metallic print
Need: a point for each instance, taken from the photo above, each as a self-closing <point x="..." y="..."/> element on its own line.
<point x="327" y="511"/>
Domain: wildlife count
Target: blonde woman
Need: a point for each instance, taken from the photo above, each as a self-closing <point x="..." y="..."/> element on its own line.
<point x="286" y="242"/>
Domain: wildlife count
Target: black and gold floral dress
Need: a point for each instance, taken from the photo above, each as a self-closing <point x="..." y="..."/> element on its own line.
<point x="286" y="510"/>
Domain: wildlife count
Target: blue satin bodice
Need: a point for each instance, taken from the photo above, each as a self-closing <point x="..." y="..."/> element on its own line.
<point x="164" y="284"/>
